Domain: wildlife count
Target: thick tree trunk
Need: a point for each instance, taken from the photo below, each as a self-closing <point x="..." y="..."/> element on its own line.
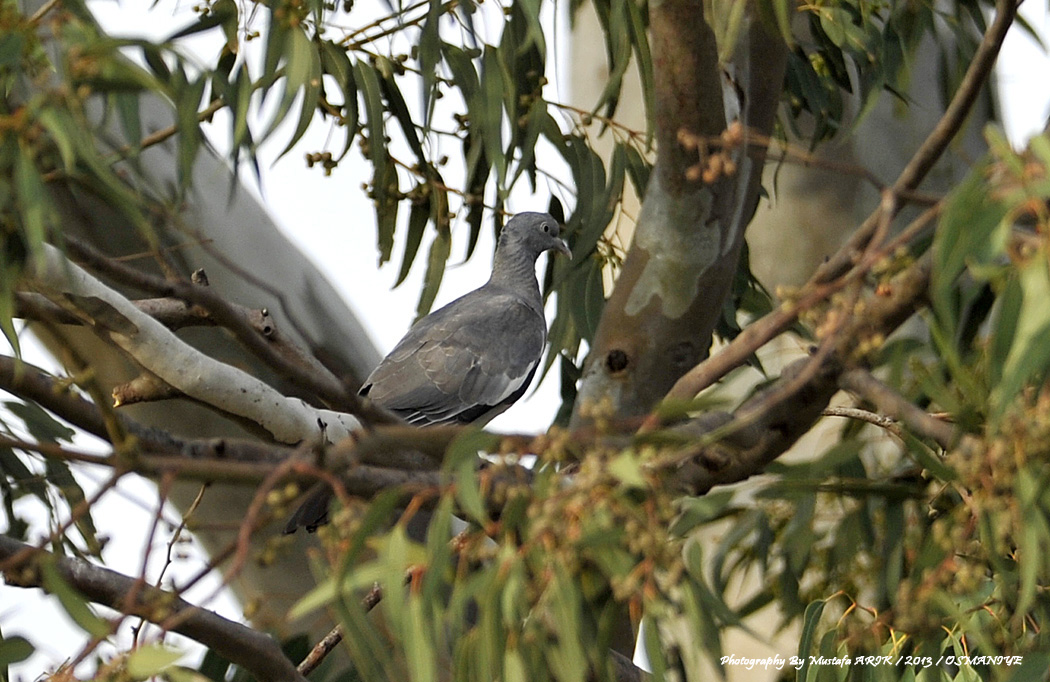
<point x="686" y="247"/>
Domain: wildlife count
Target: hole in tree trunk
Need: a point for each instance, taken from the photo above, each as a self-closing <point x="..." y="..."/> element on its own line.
<point x="616" y="361"/>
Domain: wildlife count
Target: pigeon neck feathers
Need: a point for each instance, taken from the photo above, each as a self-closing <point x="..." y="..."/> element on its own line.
<point x="514" y="270"/>
<point x="523" y="239"/>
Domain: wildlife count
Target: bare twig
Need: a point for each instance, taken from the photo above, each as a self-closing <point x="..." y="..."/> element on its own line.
<point x="143" y="388"/>
<point x="880" y="420"/>
<point x="330" y="641"/>
<point x="888" y="401"/>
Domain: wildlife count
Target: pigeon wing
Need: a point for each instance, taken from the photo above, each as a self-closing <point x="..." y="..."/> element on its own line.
<point x="469" y="360"/>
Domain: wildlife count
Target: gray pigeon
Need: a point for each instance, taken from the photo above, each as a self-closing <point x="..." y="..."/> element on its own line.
<point x="472" y="359"/>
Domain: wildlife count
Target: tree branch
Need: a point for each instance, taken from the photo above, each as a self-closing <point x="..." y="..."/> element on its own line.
<point x="200" y="377"/>
<point x="173" y="313"/>
<point x="257" y="653"/>
<point x="889" y="402"/>
<point x="27" y="381"/>
<point x="731" y="448"/>
<point x="294" y="365"/>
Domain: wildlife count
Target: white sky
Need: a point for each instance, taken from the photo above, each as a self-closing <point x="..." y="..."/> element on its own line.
<point x="318" y="213"/>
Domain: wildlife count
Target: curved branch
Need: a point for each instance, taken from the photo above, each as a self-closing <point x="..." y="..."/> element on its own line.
<point x="255" y="652"/>
<point x="283" y="356"/>
<point x="287" y="420"/>
<point x="937" y="141"/>
<point x="731" y="448"/>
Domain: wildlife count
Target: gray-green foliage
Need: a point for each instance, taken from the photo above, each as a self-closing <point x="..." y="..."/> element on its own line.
<point x="923" y="552"/>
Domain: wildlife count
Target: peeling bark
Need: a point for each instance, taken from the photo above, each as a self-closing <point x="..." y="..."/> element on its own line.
<point x="668" y="298"/>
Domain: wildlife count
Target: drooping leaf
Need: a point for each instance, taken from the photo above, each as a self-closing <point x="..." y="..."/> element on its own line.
<point x="440" y="249"/>
<point x="73" y="602"/>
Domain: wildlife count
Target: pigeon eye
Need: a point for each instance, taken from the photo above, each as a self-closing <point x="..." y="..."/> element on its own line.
<point x="546" y="227"/>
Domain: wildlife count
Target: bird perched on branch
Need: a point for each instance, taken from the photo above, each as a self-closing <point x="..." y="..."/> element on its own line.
<point x="472" y="359"/>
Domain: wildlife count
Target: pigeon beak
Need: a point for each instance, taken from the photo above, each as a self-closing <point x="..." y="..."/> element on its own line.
<point x="563" y="247"/>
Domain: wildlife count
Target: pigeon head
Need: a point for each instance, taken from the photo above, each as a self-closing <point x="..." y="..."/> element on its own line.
<point x="533" y="233"/>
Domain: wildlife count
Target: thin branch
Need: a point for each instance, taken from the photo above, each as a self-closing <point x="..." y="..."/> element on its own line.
<point x="257" y="653"/>
<point x="330" y="641"/>
<point x="173" y="313"/>
<point x="775" y="150"/>
<point x="880" y="420"/>
<point x="42" y="11"/>
<point x="888" y="401"/>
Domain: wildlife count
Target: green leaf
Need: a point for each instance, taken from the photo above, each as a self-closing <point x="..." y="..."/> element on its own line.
<point x="187" y="102"/>
<point x="640" y="41"/>
<point x="627" y="468"/>
<point x="40" y="423"/>
<point x="654" y="649"/>
<point x="969" y="222"/>
<point x="12" y="44"/>
<point x="399" y="108"/>
<point x="638" y="169"/>
<point x="1029" y="355"/>
<point x="587" y="297"/>
<point x="62" y="129"/>
<point x="13" y="650"/>
<point x="440" y="249"/>
<point x="810" y="621"/>
<point x="1033" y="668"/>
<point x="464" y="73"/>
<point x="385" y="192"/>
<point x="536" y="116"/>
<point x="461" y="461"/>
<point x="151" y="659"/>
<point x="72" y="601"/>
<point x="782" y="10"/>
<point x="491" y="110"/>
<point x="14" y="470"/>
<point x="127" y="105"/>
<point x="697" y="511"/>
<point x="430" y="58"/>
<point x="514" y="669"/>
<point x="618" y="49"/>
<point x="32" y="200"/>
<point x="336" y="63"/>
<point x="59" y="475"/>
<point x="422" y="662"/>
<point x="418" y="217"/>
<point x="221" y="12"/>
<point x="302" y="71"/>
<point x="566" y="656"/>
